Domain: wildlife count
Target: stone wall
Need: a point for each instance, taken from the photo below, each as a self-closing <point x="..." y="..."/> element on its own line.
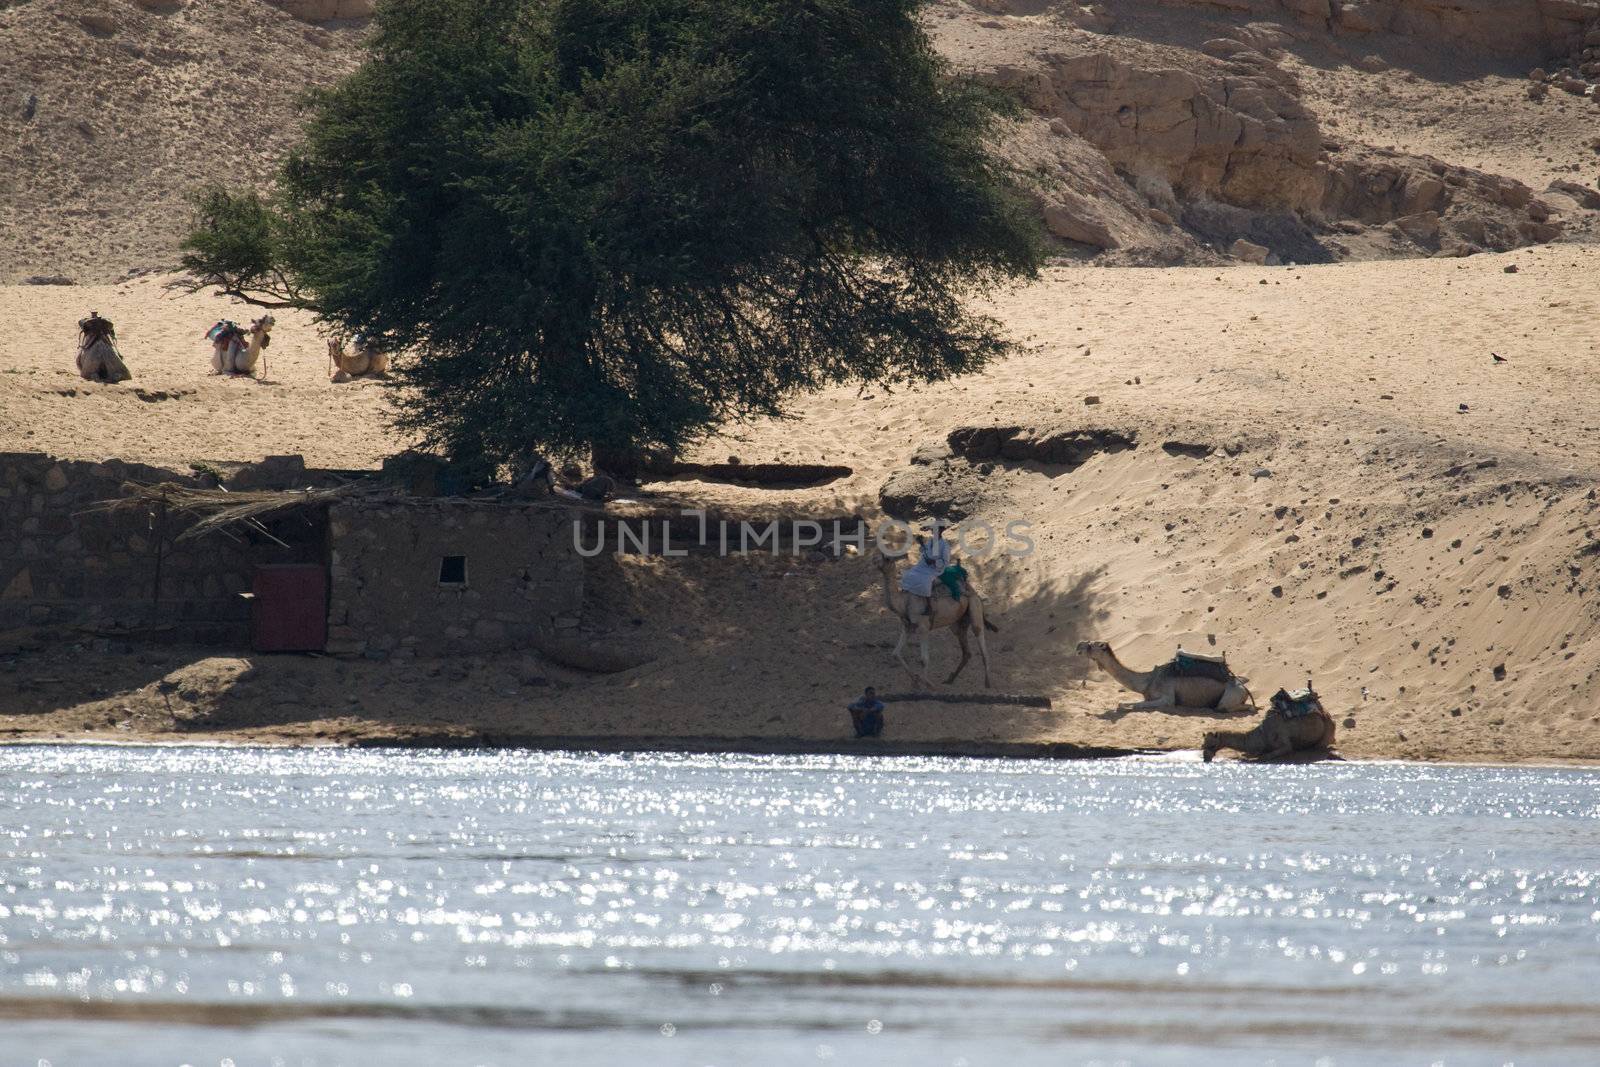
<point x="524" y="579"/>
<point x="62" y="565"/>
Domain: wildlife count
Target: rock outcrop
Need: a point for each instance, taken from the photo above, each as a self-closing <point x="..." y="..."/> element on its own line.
<point x="1151" y="152"/>
<point x="1510" y="28"/>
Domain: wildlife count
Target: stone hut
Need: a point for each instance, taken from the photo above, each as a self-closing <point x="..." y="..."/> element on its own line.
<point x="400" y="575"/>
<point x="432" y="577"/>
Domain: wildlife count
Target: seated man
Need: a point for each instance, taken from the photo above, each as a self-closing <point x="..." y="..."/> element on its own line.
<point x="867" y="714"/>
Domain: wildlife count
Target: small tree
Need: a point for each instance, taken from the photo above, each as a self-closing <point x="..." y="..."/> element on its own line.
<point x="618" y="224"/>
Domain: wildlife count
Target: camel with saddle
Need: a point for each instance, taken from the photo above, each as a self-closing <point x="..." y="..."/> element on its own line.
<point x="98" y="358"/>
<point x="363" y="358"/>
<point x="1190" y="682"/>
<point x="235" y="350"/>
<point x="943" y="610"/>
<point x="1294" y="721"/>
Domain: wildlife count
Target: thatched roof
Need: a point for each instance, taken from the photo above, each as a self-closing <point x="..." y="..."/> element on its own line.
<point x="215" y="509"/>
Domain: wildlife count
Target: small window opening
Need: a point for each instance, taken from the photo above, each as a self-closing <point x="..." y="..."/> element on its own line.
<point x="453" y="570"/>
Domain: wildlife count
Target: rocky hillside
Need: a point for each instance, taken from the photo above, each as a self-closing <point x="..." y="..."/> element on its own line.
<point x="1172" y="131"/>
<point x="112" y="110"/>
<point x="1158" y="131"/>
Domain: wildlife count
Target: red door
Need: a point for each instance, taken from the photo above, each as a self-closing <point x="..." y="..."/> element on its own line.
<point x="289" y="612"/>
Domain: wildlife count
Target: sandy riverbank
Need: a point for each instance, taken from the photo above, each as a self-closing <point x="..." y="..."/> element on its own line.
<point x="1332" y="479"/>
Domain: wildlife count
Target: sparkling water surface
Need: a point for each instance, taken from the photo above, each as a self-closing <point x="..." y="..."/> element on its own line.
<point x="200" y="905"/>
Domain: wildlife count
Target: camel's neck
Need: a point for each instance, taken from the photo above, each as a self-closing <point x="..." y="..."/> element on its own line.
<point x="255" y="343"/>
<point x="895" y="605"/>
<point x="1240" y="741"/>
<point x="1137" y="681"/>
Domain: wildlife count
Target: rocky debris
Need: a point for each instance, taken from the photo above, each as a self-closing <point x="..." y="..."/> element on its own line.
<point x="958" y="478"/>
<point x="1069" y="447"/>
<point x="1584" y="196"/>
<point x="98" y="23"/>
<point x="1577" y="71"/>
<point x="48" y="279"/>
<point x="327" y="10"/>
<point x="1422" y="227"/>
<point x="1249" y="251"/>
<point x="1469" y="207"/>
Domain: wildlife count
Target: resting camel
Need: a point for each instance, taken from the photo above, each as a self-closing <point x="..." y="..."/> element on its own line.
<point x="361" y="358"/>
<point x="98" y="359"/>
<point x="259" y="339"/>
<point x="231" y="354"/>
<point x="1163" y="688"/>
<point x="1274" y="737"/>
<point x="944" y="612"/>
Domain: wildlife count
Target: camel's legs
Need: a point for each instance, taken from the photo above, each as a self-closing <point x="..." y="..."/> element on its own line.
<point x="899" y="654"/>
<point x="1279" y="752"/>
<point x="923" y="628"/>
<point x="966" y="653"/>
<point x="1148" y="705"/>
<point x="983" y="641"/>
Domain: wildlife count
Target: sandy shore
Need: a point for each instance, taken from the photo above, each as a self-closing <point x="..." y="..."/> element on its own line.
<point x="1333" y="479"/>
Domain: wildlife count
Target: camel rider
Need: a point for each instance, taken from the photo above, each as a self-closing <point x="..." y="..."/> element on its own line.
<point x="917" y="581"/>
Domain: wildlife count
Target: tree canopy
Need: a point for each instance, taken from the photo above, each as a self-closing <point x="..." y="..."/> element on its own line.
<point x="619" y="224"/>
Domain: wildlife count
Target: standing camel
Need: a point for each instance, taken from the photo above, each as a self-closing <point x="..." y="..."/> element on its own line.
<point x="944" y="611"/>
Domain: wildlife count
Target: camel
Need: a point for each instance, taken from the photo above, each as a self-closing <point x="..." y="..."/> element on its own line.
<point x="260" y="331"/>
<point x="1274" y="737"/>
<point x="1165" y="689"/>
<point x="944" y="612"/>
<point x="362" y="358"/>
<point x="98" y="359"/>
<point x="231" y="353"/>
<point x="227" y="346"/>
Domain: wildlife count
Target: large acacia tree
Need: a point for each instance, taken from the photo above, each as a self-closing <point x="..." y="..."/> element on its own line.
<point x="617" y="224"/>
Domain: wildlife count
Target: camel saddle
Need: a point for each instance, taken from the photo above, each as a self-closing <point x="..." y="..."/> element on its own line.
<point x="225" y="331"/>
<point x="96" y="327"/>
<point x="1194" y="665"/>
<point x="1296" y="704"/>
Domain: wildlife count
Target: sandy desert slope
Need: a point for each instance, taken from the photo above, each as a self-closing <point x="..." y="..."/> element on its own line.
<point x="1332" y="478"/>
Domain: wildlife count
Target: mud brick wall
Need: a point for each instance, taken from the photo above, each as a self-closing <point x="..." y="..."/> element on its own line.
<point x="61" y="565"/>
<point x="524" y="579"/>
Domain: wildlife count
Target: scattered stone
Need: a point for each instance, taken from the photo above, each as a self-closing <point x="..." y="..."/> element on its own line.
<point x="1511" y="268"/>
<point x="1091" y="400"/>
<point x="1504" y="592"/>
<point x="1500" y="672"/>
<point x="48" y="279"/>
<point x="1250" y="252"/>
<point x="98" y="23"/>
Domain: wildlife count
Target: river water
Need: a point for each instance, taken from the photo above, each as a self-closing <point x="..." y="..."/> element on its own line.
<point x="205" y="905"/>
